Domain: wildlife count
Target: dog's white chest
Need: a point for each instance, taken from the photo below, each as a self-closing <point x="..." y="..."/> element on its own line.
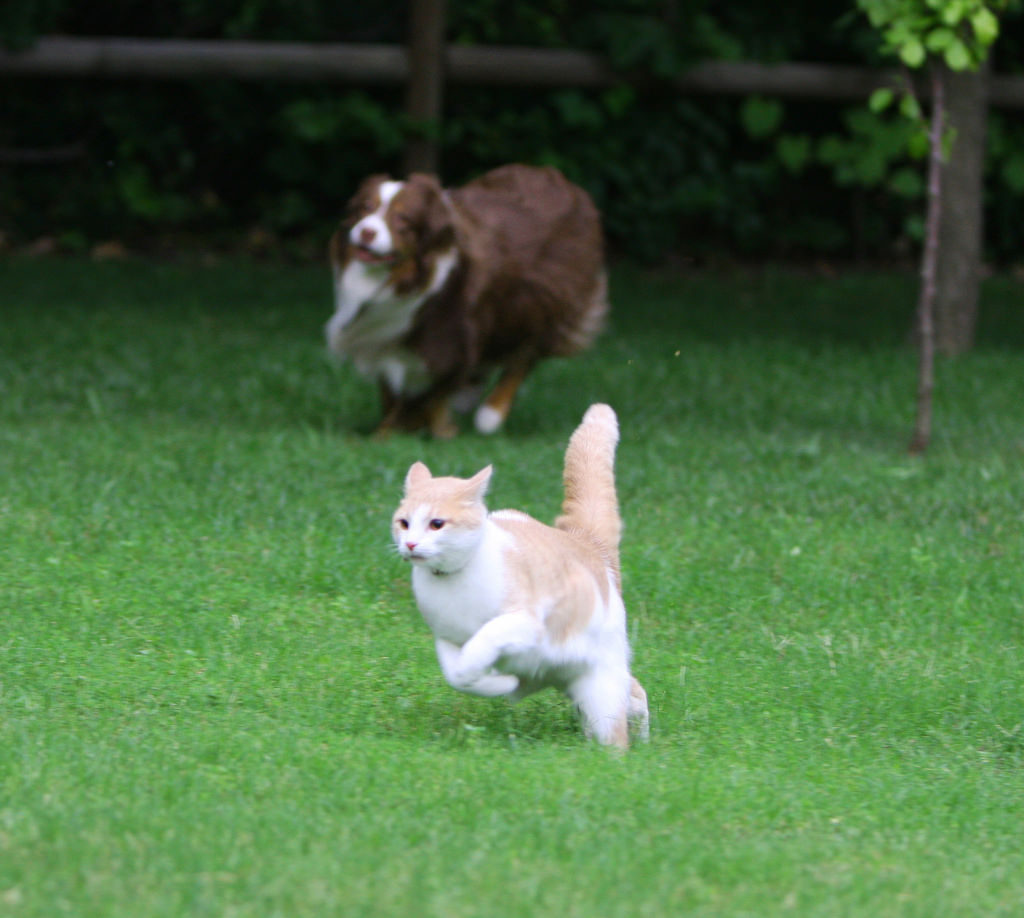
<point x="368" y="312"/>
<point x="371" y="318"/>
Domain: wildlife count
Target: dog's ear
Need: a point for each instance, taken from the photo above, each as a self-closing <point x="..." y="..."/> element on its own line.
<point x="371" y="183"/>
<point x="437" y="222"/>
<point x="424" y="180"/>
<point x="365" y="199"/>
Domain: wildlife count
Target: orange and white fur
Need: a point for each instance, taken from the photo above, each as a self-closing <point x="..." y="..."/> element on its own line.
<point x="515" y="605"/>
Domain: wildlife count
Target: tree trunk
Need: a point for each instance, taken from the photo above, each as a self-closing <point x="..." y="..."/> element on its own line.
<point x="929" y="267"/>
<point x="961" y="227"/>
<point x="425" y="88"/>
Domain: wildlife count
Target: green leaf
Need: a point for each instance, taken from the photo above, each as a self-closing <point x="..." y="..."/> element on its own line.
<point x="831" y="149"/>
<point x="985" y="25"/>
<point x="958" y="57"/>
<point x="1013" y="172"/>
<point x="794" y="151"/>
<point x="913" y="226"/>
<point x="919" y="144"/>
<point x="951" y="13"/>
<point x="578" y="110"/>
<point x="871" y="168"/>
<point x="761" y="117"/>
<point x="907" y="183"/>
<point x="881" y="99"/>
<point x="619" y="99"/>
<point x="948" y="139"/>
<point x="913" y="53"/>
<point x="910" y="107"/>
<point x="939" y="39"/>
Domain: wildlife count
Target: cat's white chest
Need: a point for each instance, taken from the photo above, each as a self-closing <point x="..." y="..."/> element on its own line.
<point x="457" y="605"/>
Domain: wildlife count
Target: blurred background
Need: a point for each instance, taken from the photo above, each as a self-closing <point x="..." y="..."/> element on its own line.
<point x="722" y="167"/>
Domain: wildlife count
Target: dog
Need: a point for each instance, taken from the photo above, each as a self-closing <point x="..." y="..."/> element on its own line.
<point x="436" y="290"/>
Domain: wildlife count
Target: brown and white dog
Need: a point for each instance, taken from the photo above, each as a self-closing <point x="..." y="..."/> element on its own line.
<point x="435" y="289"/>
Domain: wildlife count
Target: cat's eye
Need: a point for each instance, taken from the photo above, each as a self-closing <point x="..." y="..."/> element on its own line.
<point x="403" y="524"/>
<point x="436" y="524"/>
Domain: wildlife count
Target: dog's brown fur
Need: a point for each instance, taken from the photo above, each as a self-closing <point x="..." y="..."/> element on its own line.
<point x="528" y="283"/>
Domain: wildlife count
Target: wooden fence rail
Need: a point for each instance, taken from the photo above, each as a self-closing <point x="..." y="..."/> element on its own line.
<point x="479" y="65"/>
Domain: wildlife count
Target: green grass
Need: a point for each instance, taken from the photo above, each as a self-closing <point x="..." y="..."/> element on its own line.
<point x="217" y="698"/>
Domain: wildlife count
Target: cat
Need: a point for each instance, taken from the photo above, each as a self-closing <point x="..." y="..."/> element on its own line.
<point x="515" y="605"/>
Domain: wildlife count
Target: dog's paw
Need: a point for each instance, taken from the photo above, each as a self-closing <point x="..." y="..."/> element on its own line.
<point x="487" y="419"/>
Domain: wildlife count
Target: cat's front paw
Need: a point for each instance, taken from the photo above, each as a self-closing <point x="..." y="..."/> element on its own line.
<point x="489" y="684"/>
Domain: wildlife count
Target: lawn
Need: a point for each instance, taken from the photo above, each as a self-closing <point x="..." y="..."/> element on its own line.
<point x="217" y="697"/>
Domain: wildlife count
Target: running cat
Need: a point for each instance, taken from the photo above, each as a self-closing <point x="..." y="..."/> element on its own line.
<point x="515" y="605"/>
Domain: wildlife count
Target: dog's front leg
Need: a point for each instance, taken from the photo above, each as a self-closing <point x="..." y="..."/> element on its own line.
<point x="400" y="413"/>
<point x="390" y="411"/>
<point x="439" y="417"/>
<point x="493" y="412"/>
<point x="388" y="400"/>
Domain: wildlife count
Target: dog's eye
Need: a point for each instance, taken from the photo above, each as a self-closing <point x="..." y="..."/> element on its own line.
<point x="402" y="524"/>
<point x="436" y="524"/>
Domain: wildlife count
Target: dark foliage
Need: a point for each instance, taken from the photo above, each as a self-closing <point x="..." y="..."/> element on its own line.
<point x="689" y="177"/>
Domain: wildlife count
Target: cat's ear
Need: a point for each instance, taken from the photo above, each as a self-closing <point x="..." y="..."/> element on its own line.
<point x="418" y="473"/>
<point x="476" y="487"/>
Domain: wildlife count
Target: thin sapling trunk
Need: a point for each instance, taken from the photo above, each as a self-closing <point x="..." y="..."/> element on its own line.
<point x="929" y="268"/>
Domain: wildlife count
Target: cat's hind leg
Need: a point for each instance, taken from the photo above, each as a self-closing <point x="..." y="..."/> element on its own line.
<point x="637" y="715"/>
<point x="602" y="696"/>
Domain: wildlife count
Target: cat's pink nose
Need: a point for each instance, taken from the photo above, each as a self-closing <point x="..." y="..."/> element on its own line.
<point x="411" y="545"/>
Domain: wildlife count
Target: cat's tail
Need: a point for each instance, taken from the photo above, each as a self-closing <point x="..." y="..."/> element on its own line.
<point x="590" y="507"/>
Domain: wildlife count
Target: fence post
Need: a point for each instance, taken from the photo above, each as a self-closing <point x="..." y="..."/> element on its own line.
<point x="425" y="89"/>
